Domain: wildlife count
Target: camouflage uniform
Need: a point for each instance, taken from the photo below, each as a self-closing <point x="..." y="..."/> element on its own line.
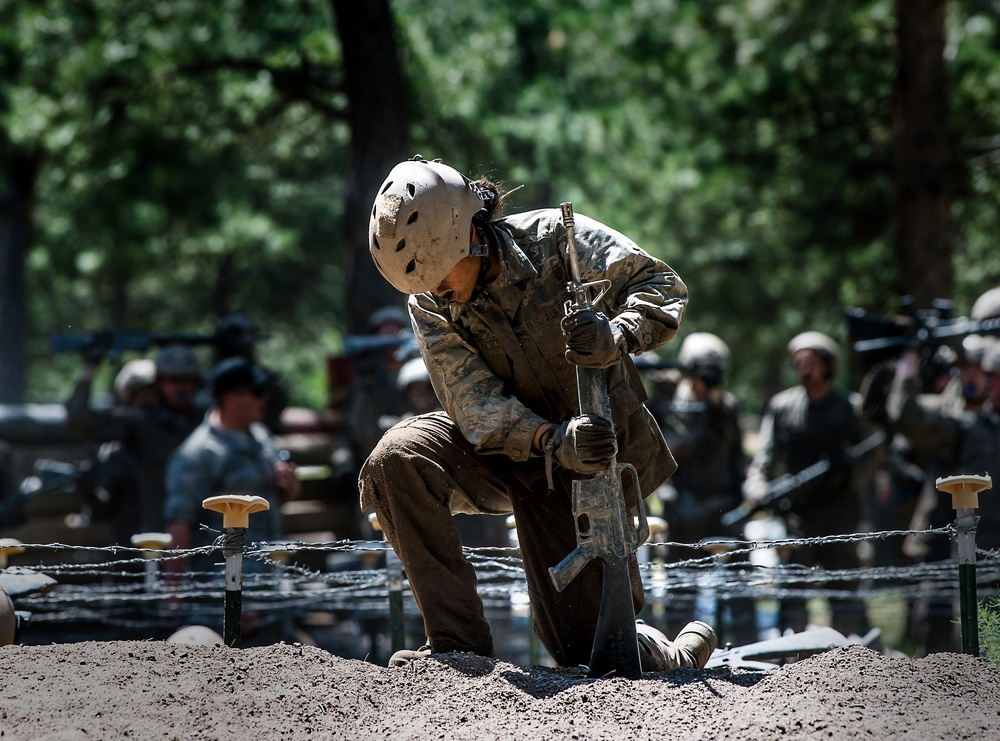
<point x="497" y="365"/>
<point x="147" y="437"/>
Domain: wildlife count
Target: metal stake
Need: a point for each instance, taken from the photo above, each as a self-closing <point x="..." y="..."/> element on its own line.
<point x="152" y="544"/>
<point x="236" y="510"/>
<point x="964" y="492"/>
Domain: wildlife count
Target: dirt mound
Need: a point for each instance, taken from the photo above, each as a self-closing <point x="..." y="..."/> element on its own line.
<point x="159" y="690"/>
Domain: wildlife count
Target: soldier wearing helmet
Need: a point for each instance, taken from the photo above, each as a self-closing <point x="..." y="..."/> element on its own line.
<point x="236" y="336"/>
<point x="230" y="452"/>
<point x="373" y="404"/>
<point x="701" y="427"/>
<point x="139" y="437"/>
<point x="486" y="303"/>
<point x="811" y="422"/>
<point x="950" y="433"/>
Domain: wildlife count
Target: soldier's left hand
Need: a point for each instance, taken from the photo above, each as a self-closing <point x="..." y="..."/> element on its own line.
<point x="591" y="339"/>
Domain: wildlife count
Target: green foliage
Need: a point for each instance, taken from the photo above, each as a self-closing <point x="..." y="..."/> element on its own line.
<point x="749" y="145"/>
<point x="192" y="155"/>
<point x="989" y="630"/>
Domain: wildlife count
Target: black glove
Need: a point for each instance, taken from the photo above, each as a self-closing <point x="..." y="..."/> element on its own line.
<point x="591" y="339"/>
<point x="584" y="444"/>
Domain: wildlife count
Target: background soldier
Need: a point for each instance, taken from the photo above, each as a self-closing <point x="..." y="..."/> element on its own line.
<point x="801" y="426"/>
<point x="237" y="336"/>
<point x="701" y="427"/>
<point x="951" y="435"/>
<point x="117" y="473"/>
<point x="375" y="402"/>
<point x="146" y="434"/>
<point x="230" y="452"/>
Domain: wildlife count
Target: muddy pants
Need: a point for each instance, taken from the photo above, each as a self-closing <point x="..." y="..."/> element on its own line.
<point x="421" y="472"/>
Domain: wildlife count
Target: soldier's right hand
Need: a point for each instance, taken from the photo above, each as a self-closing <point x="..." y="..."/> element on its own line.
<point x="584" y="444"/>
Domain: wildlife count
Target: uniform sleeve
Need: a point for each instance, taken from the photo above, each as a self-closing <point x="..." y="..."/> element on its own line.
<point x="188" y="484"/>
<point x="86" y="423"/>
<point x="647" y="299"/>
<point x="927" y="429"/>
<point x="763" y="463"/>
<point x="491" y="419"/>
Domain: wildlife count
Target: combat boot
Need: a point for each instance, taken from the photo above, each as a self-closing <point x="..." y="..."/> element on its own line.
<point x="405" y="656"/>
<point x="690" y="650"/>
<point x="696" y="641"/>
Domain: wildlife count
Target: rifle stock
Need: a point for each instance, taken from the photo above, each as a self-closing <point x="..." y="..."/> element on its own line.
<point x="607" y="507"/>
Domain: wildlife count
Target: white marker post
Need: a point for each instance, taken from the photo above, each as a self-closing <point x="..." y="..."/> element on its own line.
<point x="151" y="543"/>
<point x="236" y="510"/>
<point x="964" y="492"/>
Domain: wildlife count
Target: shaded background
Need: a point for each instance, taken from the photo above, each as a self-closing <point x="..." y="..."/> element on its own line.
<point x="165" y="163"/>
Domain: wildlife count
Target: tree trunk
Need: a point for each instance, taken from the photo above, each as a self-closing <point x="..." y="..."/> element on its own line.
<point x="924" y="247"/>
<point x="379" y="121"/>
<point x="15" y="240"/>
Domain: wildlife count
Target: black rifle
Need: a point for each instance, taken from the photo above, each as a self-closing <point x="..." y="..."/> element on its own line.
<point x="791" y="482"/>
<point x="877" y="338"/>
<point x="361" y="345"/>
<point x="610" y="520"/>
<point x="117" y="341"/>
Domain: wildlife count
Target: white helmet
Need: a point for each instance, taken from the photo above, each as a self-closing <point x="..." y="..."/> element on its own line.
<point x="816" y="341"/>
<point x="419" y="227"/>
<point x="987" y="306"/>
<point x="703" y="349"/>
<point x="134" y="375"/>
<point x="412" y="371"/>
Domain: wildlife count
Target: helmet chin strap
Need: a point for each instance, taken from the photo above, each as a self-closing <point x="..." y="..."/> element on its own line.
<point x="481" y="250"/>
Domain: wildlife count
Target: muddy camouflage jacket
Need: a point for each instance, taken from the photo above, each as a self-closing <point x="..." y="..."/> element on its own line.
<point x="497" y="362"/>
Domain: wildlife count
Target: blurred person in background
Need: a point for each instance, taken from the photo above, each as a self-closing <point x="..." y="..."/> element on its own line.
<point x="701" y="427"/>
<point x="230" y="452"/>
<point x="147" y="431"/>
<point x="811" y="422"/>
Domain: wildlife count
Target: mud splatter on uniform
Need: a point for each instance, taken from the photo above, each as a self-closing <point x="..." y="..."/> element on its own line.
<point x="497" y="365"/>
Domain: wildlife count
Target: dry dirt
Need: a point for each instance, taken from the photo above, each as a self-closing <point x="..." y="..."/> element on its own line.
<point x="156" y="690"/>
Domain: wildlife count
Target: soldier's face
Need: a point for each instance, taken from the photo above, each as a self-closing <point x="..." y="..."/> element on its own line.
<point x="459" y="285"/>
<point x="177" y="391"/>
<point x="810" y="367"/>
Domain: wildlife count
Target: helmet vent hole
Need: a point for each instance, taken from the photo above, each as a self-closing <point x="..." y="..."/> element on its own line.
<point x="386" y="187"/>
<point x="411" y="266"/>
<point x="400" y="246"/>
<point x="411" y="189"/>
<point x="376" y="244"/>
<point x="413" y="217"/>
